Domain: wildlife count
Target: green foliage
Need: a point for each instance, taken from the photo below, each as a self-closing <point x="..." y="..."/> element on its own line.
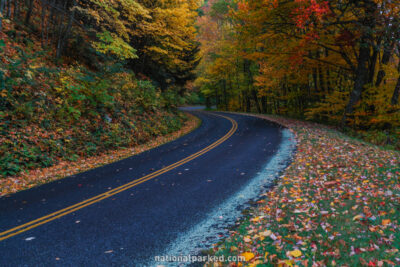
<point x="146" y="96"/>
<point x="389" y="139"/>
<point x="194" y="98"/>
<point x="112" y="44"/>
<point x="2" y="44"/>
<point x="171" y="100"/>
<point x="67" y="86"/>
<point x="222" y="7"/>
<point x="48" y="114"/>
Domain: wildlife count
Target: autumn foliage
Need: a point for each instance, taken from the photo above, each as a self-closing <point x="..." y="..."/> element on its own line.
<point x="331" y="61"/>
<point x="81" y="77"/>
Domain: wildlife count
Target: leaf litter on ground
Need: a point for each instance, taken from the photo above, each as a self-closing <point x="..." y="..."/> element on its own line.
<point x="63" y="169"/>
<point x="337" y="204"/>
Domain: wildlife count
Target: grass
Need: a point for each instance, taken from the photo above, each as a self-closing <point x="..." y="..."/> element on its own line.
<point x="337" y="204"/>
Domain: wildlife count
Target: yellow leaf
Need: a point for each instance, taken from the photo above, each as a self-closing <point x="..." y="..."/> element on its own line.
<point x="247" y="239"/>
<point x="295" y="253"/>
<point x="385" y="222"/>
<point x="359" y="216"/>
<point x="285" y="263"/>
<point x="266" y="255"/>
<point x="266" y="233"/>
<point x="248" y="256"/>
<point x="254" y="264"/>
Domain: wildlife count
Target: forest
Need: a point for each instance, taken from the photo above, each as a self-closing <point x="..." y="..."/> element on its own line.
<point x="265" y="129"/>
<point x="335" y="62"/>
<point x="81" y="77"/>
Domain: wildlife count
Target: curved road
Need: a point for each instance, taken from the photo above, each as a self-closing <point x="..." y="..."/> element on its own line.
<point x="125" y="213"/>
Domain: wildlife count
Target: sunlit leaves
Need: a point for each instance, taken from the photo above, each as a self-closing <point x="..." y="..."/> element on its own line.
<point x="110" y="43"/>
<point x="301" y="58"/>
<point x="114" y="18"/>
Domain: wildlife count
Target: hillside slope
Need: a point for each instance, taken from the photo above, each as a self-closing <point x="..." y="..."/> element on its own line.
<point x="52" y="112"/>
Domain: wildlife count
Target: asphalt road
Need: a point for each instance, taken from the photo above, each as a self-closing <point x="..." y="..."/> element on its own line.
<point x="107" y="217"/>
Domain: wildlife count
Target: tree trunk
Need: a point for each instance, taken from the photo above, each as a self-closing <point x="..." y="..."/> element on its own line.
<point x="231" y="87"/>
<point x="387" y="53"/>
<point x="29" y="12"/>
<point x="8" y="8"/>
<point x="254" y="93"/>
<point x="44" y="3"/>
<point x="264" y="104"/>
<point x="61" y="32"/>
<point x="372" y="62"/>
<point x="328" y="81"/>
<point x="243" y="101"/>
<point x="314" y="78"/>
<point x="361" y="72"/>
<point x="320" y="76"/>
<point x="240" y="101"/>
<point x="315" y="81"/>
<point x="15" y="9"/>
<point x="64" y="38"/>
<point x="321" y="79"/>
<point x="2" y="4"/>
<point x="396" y="93"/>
<point x="50" y="20"/>
<point x="216" y="97"/>
<point x="361" y="77"/>
<point x="248" y="104"/>
<point x="328" y="75"/>
<point x="250" y="88"/>
<point x="208" y="102"/>
<point x="225" y="94"/>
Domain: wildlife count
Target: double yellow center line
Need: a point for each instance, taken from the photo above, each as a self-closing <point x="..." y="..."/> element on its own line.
<point x="60" y="213"/>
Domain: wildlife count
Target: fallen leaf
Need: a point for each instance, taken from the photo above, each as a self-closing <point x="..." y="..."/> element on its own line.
<point x="248" y="256"/>
<point x="247" y="239"/>
<point x="358" y="217"/>
<point x="266" y="233"/>
<point x="295" y="253"/>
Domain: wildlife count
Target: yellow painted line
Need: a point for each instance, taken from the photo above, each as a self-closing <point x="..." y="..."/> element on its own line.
<point x="60" y="213"/>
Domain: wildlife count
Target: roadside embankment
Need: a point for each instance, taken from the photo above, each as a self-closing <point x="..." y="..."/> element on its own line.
<point x="66" y="168"/>
<point x="337" y="204"/>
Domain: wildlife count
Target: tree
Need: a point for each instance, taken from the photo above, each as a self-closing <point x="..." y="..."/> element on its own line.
<point x="326" y="60"/>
